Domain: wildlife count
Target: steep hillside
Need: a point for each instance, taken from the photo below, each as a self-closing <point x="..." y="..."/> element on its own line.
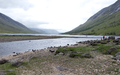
<point x="8" y="25"/>
<point x="105" y="22"/>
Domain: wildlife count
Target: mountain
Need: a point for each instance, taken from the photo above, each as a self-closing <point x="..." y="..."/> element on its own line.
<point x="8" y="25"/>
<point x="46" y="31"/>
<point x="104" y="22"/>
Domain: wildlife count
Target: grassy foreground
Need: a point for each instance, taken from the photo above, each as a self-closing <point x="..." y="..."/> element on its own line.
<point x="71" y="59"/>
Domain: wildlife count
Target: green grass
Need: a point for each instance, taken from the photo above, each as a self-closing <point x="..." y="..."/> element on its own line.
<point x="8" y="66"/>
<point x="77" y="49"/>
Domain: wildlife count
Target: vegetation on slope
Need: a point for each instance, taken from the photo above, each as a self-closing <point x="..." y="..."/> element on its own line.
<point x="105" y="22"/>
<point x="8" y="25"/>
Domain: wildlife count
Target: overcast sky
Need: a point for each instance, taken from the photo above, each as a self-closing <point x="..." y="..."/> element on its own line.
<point x="62" y="15"/>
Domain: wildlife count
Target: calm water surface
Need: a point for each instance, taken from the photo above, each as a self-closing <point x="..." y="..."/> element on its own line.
<point x="6" y="48"/>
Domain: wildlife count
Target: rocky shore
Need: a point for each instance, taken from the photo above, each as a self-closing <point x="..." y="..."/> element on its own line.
<point x="98" y="57"/>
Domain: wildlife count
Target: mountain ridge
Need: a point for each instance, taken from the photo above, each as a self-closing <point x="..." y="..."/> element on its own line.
<point x="8" y="25"/>
<point x="104" y="19"/>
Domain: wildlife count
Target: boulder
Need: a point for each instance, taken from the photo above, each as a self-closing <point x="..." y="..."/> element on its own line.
<point x="18" y="53"/>
<point x="74" y="54"/>
<point x="108" y="41"/>
<point x="33" y="50"/>
<point x="117" y="54"/>
<point x="117" y="57"/>
<point x="116" y="40"/>
<point x="103" y="42"/>
<point x="94" y="44"/>
<point x="86" y="55"/>
<point x="105" y="39"/>
<point x="111" y="49"/>
<point x="3" y="61"/>
<point x="51" y="50"/>
<point x="61" y="68"/>
<point x="98" y="41"/>
<point x="111" y="38"/>
<point x="18" y="63"/>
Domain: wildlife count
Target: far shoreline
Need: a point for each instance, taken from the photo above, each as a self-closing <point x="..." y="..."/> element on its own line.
<point x="9" y="38"/>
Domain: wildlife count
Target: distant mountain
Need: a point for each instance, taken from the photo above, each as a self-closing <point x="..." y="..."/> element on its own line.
<point x="46" y="31"/>
<point x="104" y="22"/>
<point x="8" y="25"/>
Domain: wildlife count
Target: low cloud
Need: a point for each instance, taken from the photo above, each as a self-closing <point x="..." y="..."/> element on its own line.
<point x="33" y="23"/>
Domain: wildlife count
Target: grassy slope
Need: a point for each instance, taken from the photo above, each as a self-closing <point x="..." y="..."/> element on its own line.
<point x="104" y="24"/>
<point x="8" y="25"/>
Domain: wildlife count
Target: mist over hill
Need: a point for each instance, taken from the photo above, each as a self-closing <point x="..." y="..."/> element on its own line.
<point x="45" y="31"/>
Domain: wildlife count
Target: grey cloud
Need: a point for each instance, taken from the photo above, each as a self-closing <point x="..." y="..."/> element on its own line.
<point x="24" y="4"/>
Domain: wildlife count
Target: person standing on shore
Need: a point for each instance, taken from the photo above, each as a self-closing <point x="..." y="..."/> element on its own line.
<point x="103" y="37"/>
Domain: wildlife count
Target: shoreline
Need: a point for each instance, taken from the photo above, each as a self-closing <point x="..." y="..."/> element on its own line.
<point x="20" y="38"/>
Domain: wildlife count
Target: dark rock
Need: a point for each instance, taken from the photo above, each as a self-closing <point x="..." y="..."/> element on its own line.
<point x="61" y="68"/>
<point x="98" y="41"/>
<point x="117" y="57"/>
<point x="74" y="54"/>
<point x="79" y="42"/>
<point x="86" y="55"/>
<point x="67" y="44"/>
<point x="117" y="54"/>
<point x="33" y="50"/>
<point x="111" y="38"/>
<point x="116" y="40"/>
<point x="18" y="53"/>
<point x="13" y="52"/>
<point x="103" y="42"/>
<point x="117" y="43"/>
<point x="51" y="50"/>
<point x="105" y="38"/>
<point x="108" y="41"/>
<point x="3" y="61"/>
<point x="75" y="44"/>
<point x="17" y="63"/>
<point x="94" y="44"/>
<point x="111" y="49"/>
<point x="2" y="72"/>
